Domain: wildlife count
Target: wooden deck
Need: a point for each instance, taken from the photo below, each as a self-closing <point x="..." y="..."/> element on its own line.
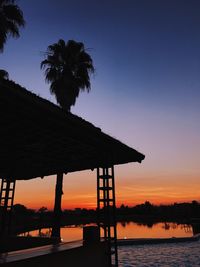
<point x="37" y="251"/>
<point x="70" y="254"/>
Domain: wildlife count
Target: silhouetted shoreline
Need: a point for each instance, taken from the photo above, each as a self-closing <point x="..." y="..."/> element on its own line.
<point x="25" y="219"/>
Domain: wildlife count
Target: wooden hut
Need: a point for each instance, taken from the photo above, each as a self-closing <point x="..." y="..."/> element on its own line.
<point x="37" y="139"/>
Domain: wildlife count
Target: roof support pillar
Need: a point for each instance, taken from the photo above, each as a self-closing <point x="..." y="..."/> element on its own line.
<point x="106" y="211"/>
<point x="6" y="204"/>
<point x="57" y="207"/>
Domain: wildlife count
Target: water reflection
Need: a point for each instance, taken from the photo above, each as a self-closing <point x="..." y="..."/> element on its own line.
<point x="41" y="232"/>
<point x="150" y="230"/>
<point x="124" y="230"/>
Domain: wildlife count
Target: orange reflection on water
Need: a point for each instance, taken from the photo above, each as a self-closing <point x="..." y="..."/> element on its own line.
<point x="124" y="230"/>
<point x="71" y="234"/>
<point x="158" y="230"/>
<point x="68" y="233"/>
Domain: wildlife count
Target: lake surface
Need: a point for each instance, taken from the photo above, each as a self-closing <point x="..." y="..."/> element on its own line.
<point x="124" y="230"/>
<point x="156" y="255"/>
<point x="160" y="255"/>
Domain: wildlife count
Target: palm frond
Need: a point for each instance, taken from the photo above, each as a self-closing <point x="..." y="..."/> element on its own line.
<point x="11" y="18"/>
<point x="14" y="14"/>
<point x="12" y="29"/>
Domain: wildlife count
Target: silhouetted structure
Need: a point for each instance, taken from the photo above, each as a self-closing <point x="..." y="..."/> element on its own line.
<point x="38" y="139"/>
<point x="106" y="209"/>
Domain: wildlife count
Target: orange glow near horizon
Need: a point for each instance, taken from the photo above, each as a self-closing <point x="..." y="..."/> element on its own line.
<point x="80" y="190"/>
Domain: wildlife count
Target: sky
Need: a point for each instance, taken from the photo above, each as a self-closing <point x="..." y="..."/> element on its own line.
<point x="145" y="92"/>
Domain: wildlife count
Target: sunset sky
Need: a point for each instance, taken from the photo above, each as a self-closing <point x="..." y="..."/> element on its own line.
<point x="145" y="92"/>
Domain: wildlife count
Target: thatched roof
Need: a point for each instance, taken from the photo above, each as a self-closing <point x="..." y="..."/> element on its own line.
<point x="37" y="138"/>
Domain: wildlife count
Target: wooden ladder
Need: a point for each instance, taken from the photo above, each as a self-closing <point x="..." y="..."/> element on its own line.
<point x="6" y="204"/>
<point x="106" y="211"/>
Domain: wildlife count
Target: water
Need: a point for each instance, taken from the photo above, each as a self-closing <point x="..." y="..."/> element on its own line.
<point x="157" y="230"/>
<point x="157" y="255"/>
<point x="124" y="230"/>
<point x="160" y="255"/>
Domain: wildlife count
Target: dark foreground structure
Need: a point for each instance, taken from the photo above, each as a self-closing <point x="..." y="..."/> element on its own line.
<point x="69" y="254"/>
<point x="38" y="139"/>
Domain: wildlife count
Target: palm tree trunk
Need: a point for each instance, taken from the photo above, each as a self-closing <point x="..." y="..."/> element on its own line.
<point x="57" y="207"/>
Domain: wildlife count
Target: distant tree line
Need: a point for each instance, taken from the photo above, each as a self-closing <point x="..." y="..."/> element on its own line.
<point x="184" y="212"/>
<point x="28" y="219"/>
<point x="24" y="219"/>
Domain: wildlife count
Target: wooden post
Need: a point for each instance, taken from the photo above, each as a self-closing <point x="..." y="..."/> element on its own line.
<point x="57" y="207"/>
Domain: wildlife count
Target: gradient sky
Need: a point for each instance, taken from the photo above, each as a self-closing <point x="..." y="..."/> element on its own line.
<point x="145" y="92"/>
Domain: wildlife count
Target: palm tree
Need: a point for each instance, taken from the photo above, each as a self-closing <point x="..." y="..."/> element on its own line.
<point x="67" y="69"/>
<point x="11" y="18"/>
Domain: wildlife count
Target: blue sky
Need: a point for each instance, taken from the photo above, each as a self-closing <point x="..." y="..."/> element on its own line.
<point x="145" y="91"/>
